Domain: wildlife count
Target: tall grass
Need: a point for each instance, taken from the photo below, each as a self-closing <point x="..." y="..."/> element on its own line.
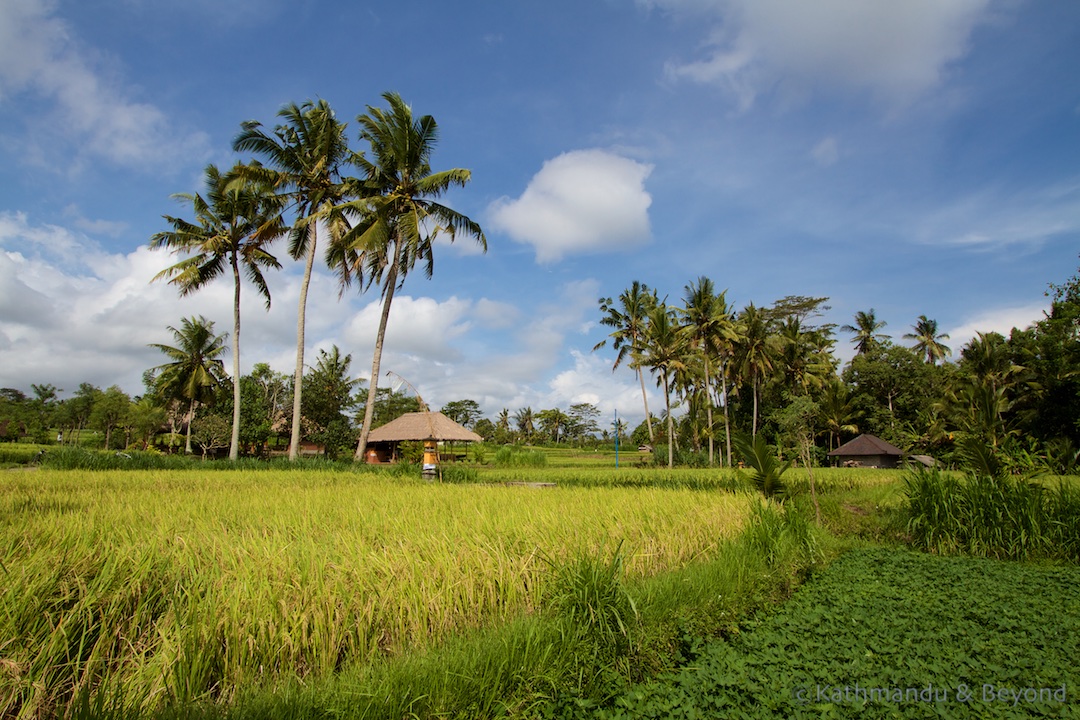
<point x="593" y="600"/>
<point x="622" y="477"/>
<point x="992" y="515"/>
<point x="518" y="457"/>
<point x="165" y="587"/>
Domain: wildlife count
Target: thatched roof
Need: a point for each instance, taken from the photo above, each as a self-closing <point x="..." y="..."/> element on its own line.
<point x="422" y="426"/>
<point x="866" y="445"/>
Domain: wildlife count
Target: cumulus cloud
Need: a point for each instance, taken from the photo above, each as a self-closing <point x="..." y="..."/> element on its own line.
<point x="71" y="312"/>
<point x="584" y="201"/>
<point x="421" y="326"/>
<point x="999" y="320"/>
<point x="496" y="315"/>
<point x="591" y="380"/>
<point x="89" y="110"/>
<point x="896" y="50"/>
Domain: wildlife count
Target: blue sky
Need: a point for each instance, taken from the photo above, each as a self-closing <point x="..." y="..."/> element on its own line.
<point x="916" y="158"/>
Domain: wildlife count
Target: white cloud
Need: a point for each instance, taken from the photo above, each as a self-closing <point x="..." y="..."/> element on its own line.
<point x="421" y="326"/>
<point x="1000" y="320"/>
<point x="71" y="312"/>
<point x="496" y="315"/>
<point x="585" y="201"/>
<point x="592" y="380"/>
<point x="896" y="50"/>
<point x="996" y="216"/>
<point x="89" y="111"/>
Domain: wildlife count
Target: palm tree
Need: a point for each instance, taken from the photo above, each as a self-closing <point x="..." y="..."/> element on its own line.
<point x="233" y="225"/>
<point x="838" y="412"/>
<point x="732" y="338"/>
<point x="804" y="356"/>
<point x="628" y="319"/>
<point x="399" y="220"/>
<point x="196" y="370"/>
<point x="755" y="353"/>
<point x="688" y="383"/>
<point x="866" y="331"/>
<point x="709" y="329"/>
<point x="305" y="154"/>
<point x="986" y="358"/>
<point x="664" y="351"/>
<point x="928" y="340"/>
<point x="523" y="419"/>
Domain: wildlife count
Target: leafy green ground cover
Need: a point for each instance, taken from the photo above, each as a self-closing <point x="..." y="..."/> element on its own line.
<point x="886" y="633"/>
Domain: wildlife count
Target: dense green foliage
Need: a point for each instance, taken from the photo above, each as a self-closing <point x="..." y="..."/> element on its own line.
<point x="993" y="515"/>
<point x="889" y="633"/>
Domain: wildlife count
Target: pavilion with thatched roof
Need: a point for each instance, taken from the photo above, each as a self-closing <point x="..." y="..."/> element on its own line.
<point x="426" y="427"/>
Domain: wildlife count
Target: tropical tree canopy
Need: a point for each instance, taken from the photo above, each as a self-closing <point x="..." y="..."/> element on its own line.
<point x="197" y="371"/>
<point x="865" y="331"/>
<point x="928" y="340"/>
<point x="628" y="319"/>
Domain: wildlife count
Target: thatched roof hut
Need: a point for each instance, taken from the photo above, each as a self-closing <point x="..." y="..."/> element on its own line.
<point x="868" y="451"/>
<point x="424" y="426"/>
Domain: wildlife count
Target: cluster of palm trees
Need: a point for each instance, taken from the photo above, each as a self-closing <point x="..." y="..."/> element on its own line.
<point x="376" y="211"/>
<point x="705" y="352"/>
<point x="578" y="424"/>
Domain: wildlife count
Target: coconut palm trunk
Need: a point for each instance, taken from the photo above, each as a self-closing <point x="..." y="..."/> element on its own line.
<point x="753" y="426"/>
<point x="670" y="424"/>
<point x="376" y="361"/>
<point x="645" y="401"/>
<point x="298" y="375"/>
<point x="190" y="420"/>
<point x="234" y="443"/>
<point x="727" y="418"/>
<point x="708" y="409"/>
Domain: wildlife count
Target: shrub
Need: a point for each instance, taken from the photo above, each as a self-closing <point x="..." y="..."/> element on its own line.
<point x="782" y="533"/>
<point x="766" y="468"/>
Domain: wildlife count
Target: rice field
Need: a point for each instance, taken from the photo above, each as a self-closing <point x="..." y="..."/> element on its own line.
<point x="170" y="586"/>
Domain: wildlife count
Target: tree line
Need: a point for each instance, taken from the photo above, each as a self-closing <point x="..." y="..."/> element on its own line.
<point x="187" y="406"/>
<point x="769" y="371"/>
<point x="773" y="371"/>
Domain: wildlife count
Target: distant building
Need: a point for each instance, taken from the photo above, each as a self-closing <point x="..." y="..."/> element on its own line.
<point x="868" y="451"/>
